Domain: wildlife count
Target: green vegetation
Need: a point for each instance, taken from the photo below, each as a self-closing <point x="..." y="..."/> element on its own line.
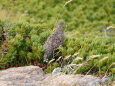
<point x="26" y="24"/>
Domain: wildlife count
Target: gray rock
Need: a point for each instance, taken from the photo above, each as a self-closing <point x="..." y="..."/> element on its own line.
<point x="57" y="70"/>
<point x="34" y="76"/>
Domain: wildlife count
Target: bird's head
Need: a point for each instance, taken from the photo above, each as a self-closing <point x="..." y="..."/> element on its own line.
<point x="60" y="25"/>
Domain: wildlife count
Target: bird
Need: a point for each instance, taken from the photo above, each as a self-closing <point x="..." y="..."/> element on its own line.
<point x="55" y="40"/>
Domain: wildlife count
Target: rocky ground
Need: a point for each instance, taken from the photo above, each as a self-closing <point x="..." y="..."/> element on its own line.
<point x="34" y="76"/>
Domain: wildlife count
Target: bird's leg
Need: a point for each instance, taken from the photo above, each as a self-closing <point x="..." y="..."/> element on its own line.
<point x="62" y="61"/>
<point x="57" y="52"/>
<point x="53" y="54"/>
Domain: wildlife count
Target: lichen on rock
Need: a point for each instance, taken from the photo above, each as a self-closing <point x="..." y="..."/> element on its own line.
<point x="34" y="76"/>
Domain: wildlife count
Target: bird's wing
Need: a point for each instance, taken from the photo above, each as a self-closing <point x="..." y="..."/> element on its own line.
<point x="48" y="42"/>
<point x="54" y="40"/>
<point x="57" y="40"/>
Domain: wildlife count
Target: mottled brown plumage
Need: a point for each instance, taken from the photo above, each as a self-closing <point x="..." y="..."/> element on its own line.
<point x="53" y="42"/>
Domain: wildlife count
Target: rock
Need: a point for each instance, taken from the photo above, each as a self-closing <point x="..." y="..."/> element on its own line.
<point x="20" y="75"/>
<point x="57" y="70"/>
<point x="34" y="76"/>
<point x="113" y="83"/>
<point x="106" y="79"/>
